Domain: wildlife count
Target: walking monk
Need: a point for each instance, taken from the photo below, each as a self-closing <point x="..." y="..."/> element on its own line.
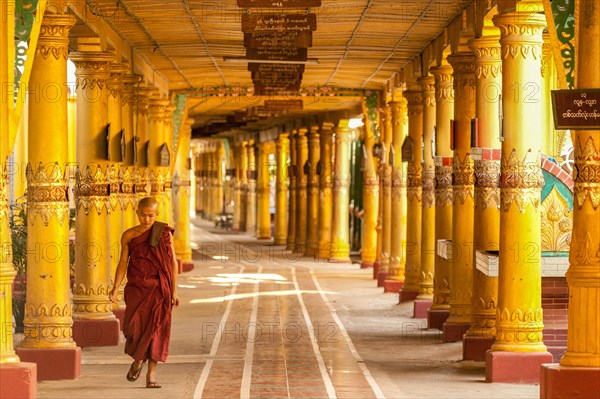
<point x="148" y="257"/>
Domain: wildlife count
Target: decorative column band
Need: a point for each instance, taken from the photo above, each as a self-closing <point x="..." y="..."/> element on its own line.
<point x="91" y="189"/>
<point x="522" y="180"/>
<point x="521" y="38"/>
<point x="53" y="39"/>
<point x="428" y="188"/>
<point x="487" y="176"/>
<point x="443" y="181"/>
<point x="47" y="193"/>
<point x="157" y="183"/>
<point x="414" y="181"/>
<point x="463" y="178"/>
<point x="586" y="173"/>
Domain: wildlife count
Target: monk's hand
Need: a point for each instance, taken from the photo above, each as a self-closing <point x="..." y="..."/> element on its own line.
<point x="175" y="300"/>
<point x="112" y="296"/>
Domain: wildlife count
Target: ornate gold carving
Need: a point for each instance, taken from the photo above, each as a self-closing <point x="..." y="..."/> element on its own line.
<point x="487" y="183"/>
<point x="519" y="326"/>
<point x="53" y="39"/>
<point x="487" y="57"/>
<point x="522" y="181"/>
<point x="586" y="173"/>
<point x="464" y="70"/>
<point x="139" y="179"/>
<point x="521" y="34"/>
<point x="156" y="110"/>
<point x="91" y="189"/>
<point x="415" y="102"/>
<point x="47" y="193"/>
<point x="157" y="182"/>
<point x="583" y="253"/>
<point x="428" y="86"/>
<point x="414" y="181"/>
<point x="44" y="323"/>
<point x="443" y="185"/>
<point x="4" y="200"/>
<point x="463" y="178"/>
<point x="444" y="83"/>
<point x="428" y="189"/>
<point x="115" y="81"/>
<point x="557" y="222"/>
<point x="130" y="83"/>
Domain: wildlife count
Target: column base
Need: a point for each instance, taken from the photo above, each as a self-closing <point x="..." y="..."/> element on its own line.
<point x="421" y="308"/>
<point x="376" y="267"/>
<point x="406" y="295"/>
<point x="454" y="332"/>
<point x="558" y="382"/>
<point x="53" y="363"/>
<point x="281" y="241"/>
<point x="88" y="332"/>
<point x="19" y="380"/>
<point x="436" y="318"/>
<point x="120" y="315"/>
<point x="502" y="366"/>
<point x="187" y="266"/>
<point x="366" y="265"/>
<point x="393" y="286"/>
<point x="475" y="348"/>
<point x="342" y="259"/>
<point x="381" y="278"/>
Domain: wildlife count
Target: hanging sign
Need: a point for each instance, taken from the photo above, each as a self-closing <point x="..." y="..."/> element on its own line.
<point x="576" y="109"/>
<point x="278" y="3"/>
<point x="253" y="23"/>
<point x="278" y="39"/>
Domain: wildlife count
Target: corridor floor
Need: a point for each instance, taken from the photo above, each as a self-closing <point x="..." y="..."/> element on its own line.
<point x="259" y="322"/>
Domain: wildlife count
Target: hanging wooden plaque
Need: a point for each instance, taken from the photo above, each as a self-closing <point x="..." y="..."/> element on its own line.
<point x="278" y="3"/>
<point x="278" y="39"/>
<point x="254" y="23"/>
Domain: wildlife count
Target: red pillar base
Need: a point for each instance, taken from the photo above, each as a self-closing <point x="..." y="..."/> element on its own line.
<point x="515" y="367"/>
<point x="475" y="348"/>
<point x="405" y="295"/>
<point x="366" y="265"/>
<point x="87" y="332"/>
<point x="392" y="286"/>
<point x="436" y="318"/>
<point x="381" y="278"/>
<point x="376" y="267"/>
<point x="421" y="307"/>
<point x="187" y="266"/>
<point x="53" y="363"/>
<point x="558" y="382"/>
<point x="454" y="331"/>
<point x="19" y="380"/>
<point x="120" y="315"/>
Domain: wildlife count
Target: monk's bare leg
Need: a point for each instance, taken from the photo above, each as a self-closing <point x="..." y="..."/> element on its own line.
<point x="150" y="376"/>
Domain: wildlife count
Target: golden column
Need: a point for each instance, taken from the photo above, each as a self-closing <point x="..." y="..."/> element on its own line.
<point x="579" y="371"/>
<point x="219" y="178"/>
<point x="129" y="99"/>
<point x="293" y="175"/>
<point x="199" y="179"/>
<point x="263" y="228"/>
<point x="48" y="316"/>
<point x="212" y="182"/>
<point x="428" y="245"/>
<point x="386" y="197"/>
<point x="140" y="169"/>
<point x="519" y="314"/>
<point x="410" y="289"/>
<point x="340" y="234"/>
<point x="325" y="190"/>
<point x="461" y="265"/>
<point x="156" y="141"/>
<point x="444" y="111"/>
<point x="282" y="180"/>
<point x="395" y="277"/>
<point x="181" y="197"/>
<point x="312" y="228"/>
<point x="370" y="195"/>
<point x="243" y="185"/>
<point x="237" y="189"/>
<point x="550" y="139"/>
<point x="301" y="195"/>
<point x="169" y="162"/>
<point x="486" y="230"/>
<point x="251" y="191"/>
<point x="93" y="278"/>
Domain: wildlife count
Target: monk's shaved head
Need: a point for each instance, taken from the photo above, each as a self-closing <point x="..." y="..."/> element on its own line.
<point x="148" y="202"/>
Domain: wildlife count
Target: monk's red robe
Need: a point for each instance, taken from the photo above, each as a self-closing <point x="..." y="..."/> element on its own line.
<point x="147" y="322"/>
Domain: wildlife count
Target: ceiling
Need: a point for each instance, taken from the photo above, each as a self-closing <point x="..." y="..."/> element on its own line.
<point x="198" y="46"/>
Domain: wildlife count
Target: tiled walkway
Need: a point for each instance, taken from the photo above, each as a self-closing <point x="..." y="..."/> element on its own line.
<point x="259" y="322"/>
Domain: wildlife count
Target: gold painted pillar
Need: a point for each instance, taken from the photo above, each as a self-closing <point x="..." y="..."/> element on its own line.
<point x="301" y="194"/>
<point x="263" y="228"/>
<point x="251" y="191"/>
<point x="140" y="170"/>
<point x="129" y="99"/>
<point x="48" y="312"/>
<point x="428" y="244"/>
<point x="461" y="265"/>
<point x="199" y="179"/>
<point x="181" y="197"/>
<point x="410" y="289"/>
<point x="386" y="197"/>
<point x="243" y="185"/>
<point x="212" y="203"/>
<point x="166" y="169"/>
<point x="293" y="175"/>
<point x="312" y="228"/>
<point x="579" y="368"/>
<point x="282" y="181"/>
<point x="93" y="278"/>
<point x="444" y="113"/>
<point x="237" y="189"/>
<point x="370" y="195"/>
<point x="219" y="178"/>
<point x="550" y="141"/>
<point x="325" y="190"/>
<point x="340" y="232"/>
<point x="519" y="314"/>
<point x="156" y="140"/>
<point x="486" y="230"/>
<point x="395" y="277"/>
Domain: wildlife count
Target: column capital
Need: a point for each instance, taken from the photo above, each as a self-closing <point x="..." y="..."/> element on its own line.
<point x="130" y="84"/>
<point x="487" y="53"/>
<point x="92" y="68"/>
<point x="115" y="84"/>
<point x="54" y="35"/>
<point x="156" y="107"/>
<point x="464" y="68"/>
<point x="326" y="128"/>
<point x="444" y="82"/>
<point x="521" y="33"/>
<point x="415" y="101"/>
<point x="428" y="89"/>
